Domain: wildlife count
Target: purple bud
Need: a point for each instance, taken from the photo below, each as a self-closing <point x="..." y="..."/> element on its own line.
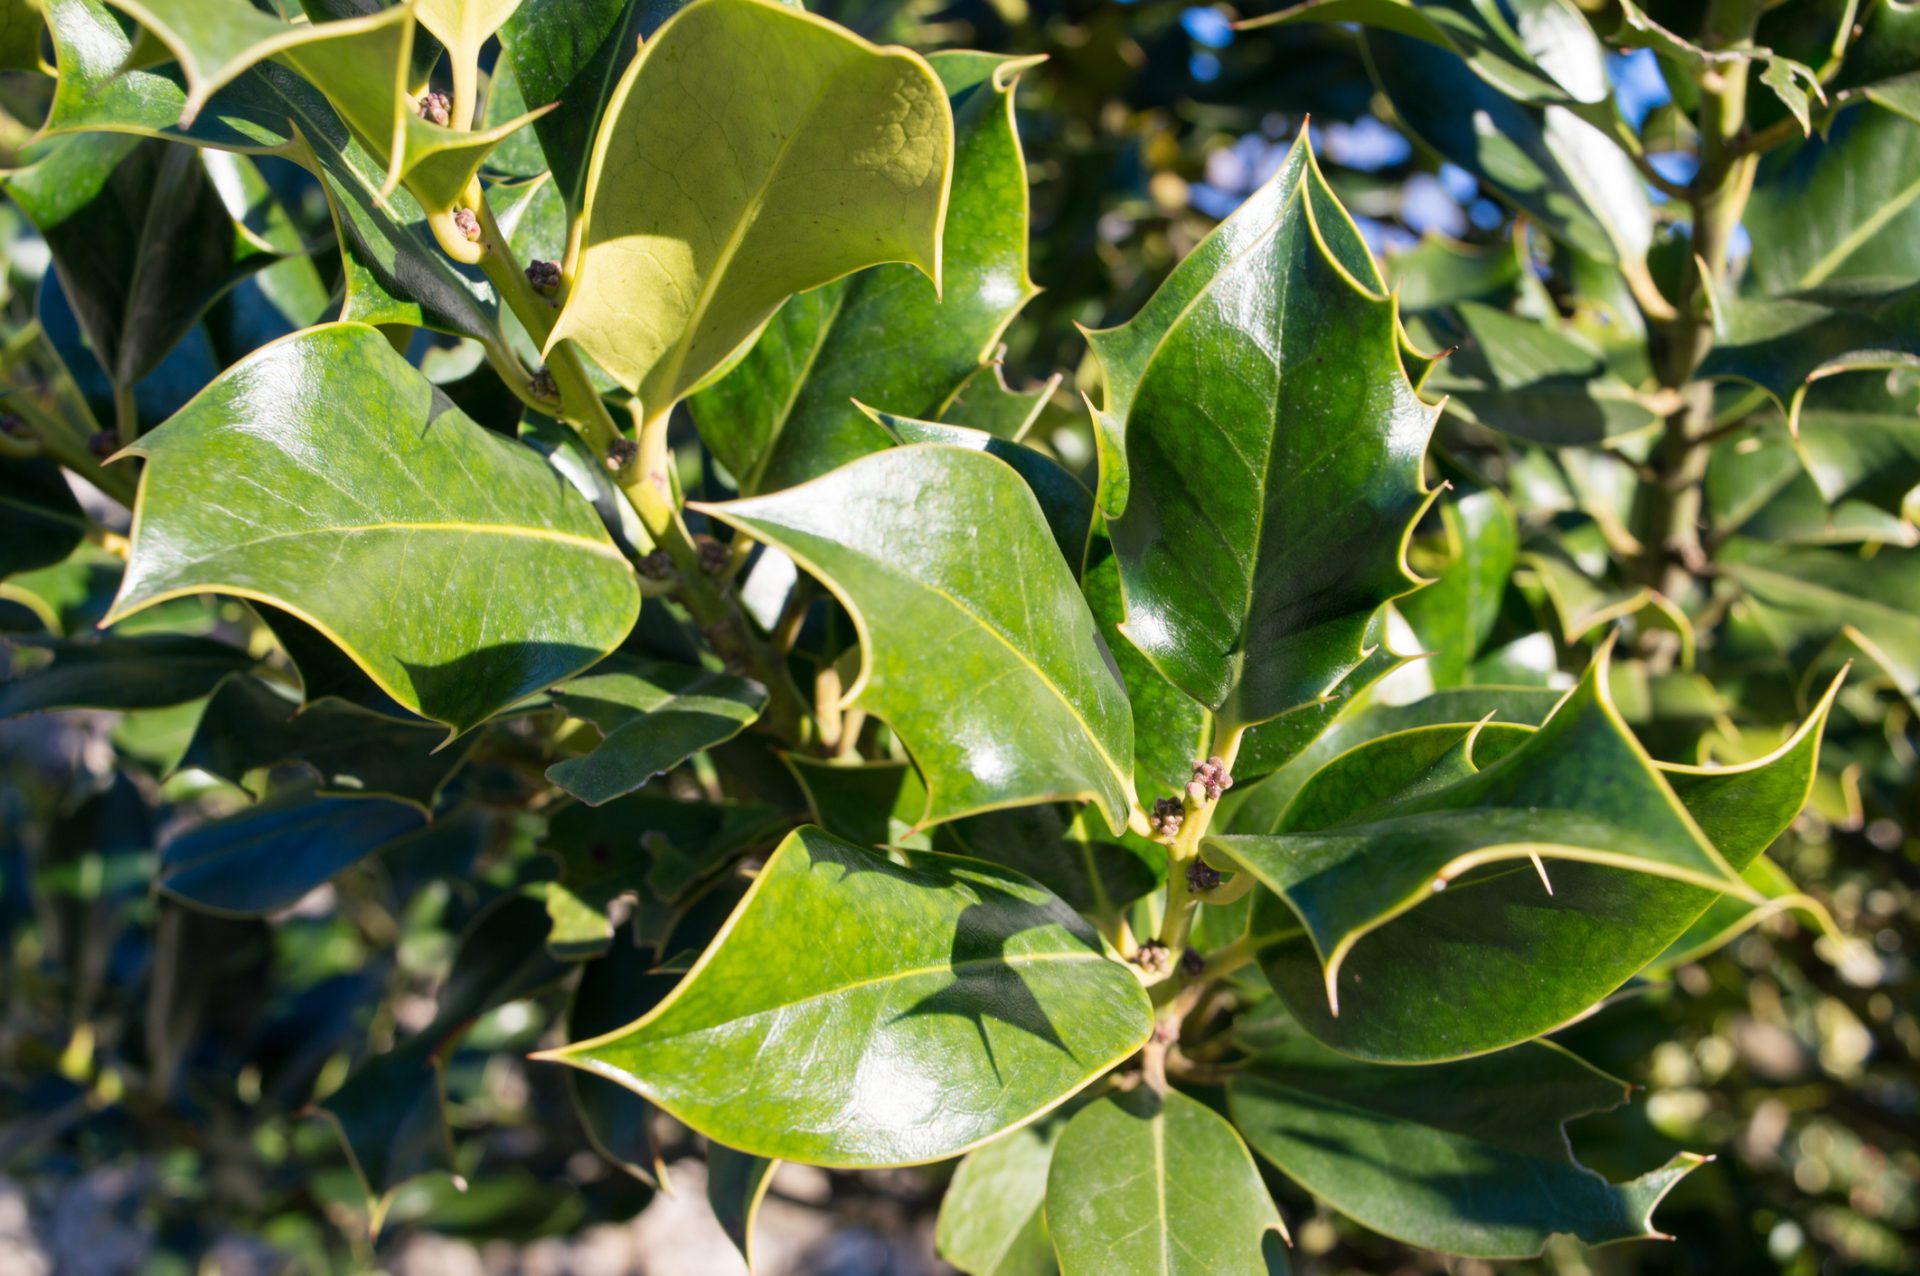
<point x="436" y="108"/>
<point x="468" y="224"/>
<point x="544" y="276"/>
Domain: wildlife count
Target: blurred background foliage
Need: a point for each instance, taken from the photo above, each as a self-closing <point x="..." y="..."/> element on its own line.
<point x="159" y="1066"/>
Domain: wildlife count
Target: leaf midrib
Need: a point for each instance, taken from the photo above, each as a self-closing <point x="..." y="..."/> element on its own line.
<point x="743" y="224"/>
<point x="604" y="549"/>
<point x="891" y="977"/>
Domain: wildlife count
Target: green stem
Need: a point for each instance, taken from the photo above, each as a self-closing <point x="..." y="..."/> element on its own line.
<point x="647" y="482"/>
<point x="1671" y="552"/>
<point x="1197" y="816"/>
<point x="126" y="413"/>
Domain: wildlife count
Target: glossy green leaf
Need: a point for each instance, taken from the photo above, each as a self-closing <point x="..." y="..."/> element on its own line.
<point x="1064" y="499"/>
<point x="1170" y="730"/>
<point x="1534" y="50"/>
<point x="1860" y="438"/>
<point x="841" y="160"/>
<point x="149" y="671"/>
<point x="867" y="803"/>
<point x="1811" y="596"/>
<point x="1414" y="992"/>
<point x="1580" y="789"/>
<point x="345" y="466"/>
<point x="1782" y="343"/>
<point x="1846" y="207"/>
<point x="653" y="717"/>
<point x="920" y="1011"/>
<point x="736" y="1183"/>
<point x="395" y="272"/>
<point x="140" y="237"/>
<point x="1125" y="351"/>
<point x="1535" y="382"/>
<point x="1454" y="615"/>
<point x="1062" y="848"/>
<point x="1466" y="1158"/>
<point x="788" y="413"/>
<point x="1547" y="162"/>
<point x="1147" y="1184"/>
<point x="1273" y="456"/>
<point x="1271" y="744"/>
<point x="40" y="522"/>
<point x="362" y="64"/>
<point x="979" y="651"/>
<point x="571" y="54"/>
<point x="992" y="1218"/>
<point x="249" y="724"/>
<point x="264" y="858"/>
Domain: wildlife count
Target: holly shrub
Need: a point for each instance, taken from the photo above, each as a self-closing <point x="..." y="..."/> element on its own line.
<point x="575" y="590"/>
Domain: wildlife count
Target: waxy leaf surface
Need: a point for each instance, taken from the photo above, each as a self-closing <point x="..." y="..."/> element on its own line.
<point x="1146" y="1184"/>
<point x="148" y="671"/>
<point x="1465" y="1158"/>
<point x="653" y="717"/>
<point x="1425" y="987"/>
<point x="992" y="1218"/>
<point x="264" y="858"/>
<point x="1273" y="452"/>
<point x="452" y="564"/>
<point x="839" y="159"/>
<point x="1454" y="614"/>
<point x="394" y="271"/>
<point x="1843" y="207"/>
<point x="40" y="522"/>
<point x="919" y="1011"/>
<point x="736" y="1183"/>
<point x="140" y="237"/>
<point x="978" y="648"/>
<point x="886" y="336"/>
<point x="249" y="723"/>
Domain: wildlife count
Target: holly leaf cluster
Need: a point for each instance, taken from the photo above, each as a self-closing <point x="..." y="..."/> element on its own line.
<point x="601" y="515"/>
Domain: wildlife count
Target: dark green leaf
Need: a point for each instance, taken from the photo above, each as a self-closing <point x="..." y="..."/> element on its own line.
<point x="1454" y="615"/>
<point x="145" y="672"/>
<point x="1273" y="456"/>
<point x="1839" y="208"/>
<point x="938" y="1006"/>
<point x="40" y="522"/>
<point x="1810" y="597"/>
<point x="992" y="1217"/>
<point x="1413" y="992"/>
<point x="350" y="468"/>
<point x="140" y="237"/>
<point x="653" y="717"/>
<point x="1170" y="730"/>
<point x="736" y="1182"/>
<point x="978" y="648"/>
<point x="788" y="413"/>
<point x="1466" y="1158"/>
<point x="264" y="858"/>
<point x="1535" y="382"/>
<point x="249" y="724"/>
<point x="1147" y="1184"/>
<point x="1062" y="848"/>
